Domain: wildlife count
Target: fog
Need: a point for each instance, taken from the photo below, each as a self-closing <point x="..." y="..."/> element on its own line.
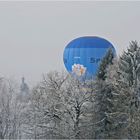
<point x="33" y="35"/>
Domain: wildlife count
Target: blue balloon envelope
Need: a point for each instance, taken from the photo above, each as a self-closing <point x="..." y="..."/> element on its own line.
<point x="82" y="55"/>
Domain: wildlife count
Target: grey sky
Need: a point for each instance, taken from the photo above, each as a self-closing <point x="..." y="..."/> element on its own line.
<point x="33" y="35"/>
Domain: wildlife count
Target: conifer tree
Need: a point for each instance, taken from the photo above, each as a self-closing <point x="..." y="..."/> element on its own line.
<point x="107" y="60"/>
<point x="121" y="119"/>
<point x="129" y="79"/>
<point x="102" y="98"/>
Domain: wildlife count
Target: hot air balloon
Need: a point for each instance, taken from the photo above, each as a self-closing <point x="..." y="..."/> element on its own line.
<point x="82" y="56"/>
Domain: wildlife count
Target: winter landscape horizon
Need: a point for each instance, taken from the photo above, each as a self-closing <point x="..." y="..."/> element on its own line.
<point x="69" y="70"/>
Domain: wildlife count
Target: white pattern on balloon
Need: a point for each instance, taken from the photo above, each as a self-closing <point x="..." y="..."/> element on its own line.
<point x="78" y="69"/>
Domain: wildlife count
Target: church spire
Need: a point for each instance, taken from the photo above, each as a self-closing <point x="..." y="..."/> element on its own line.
<point x="24" y="87"/>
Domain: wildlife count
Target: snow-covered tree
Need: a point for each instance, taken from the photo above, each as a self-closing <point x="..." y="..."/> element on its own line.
<point x="103" y="97"/>
<point x="77" y="100"/>
<point x="43" y="117"/>
<point x="60" y="107"/>
<point x="123" y="78"/>
<point x="10" y="110"/>
<point x="129" y="65"/>
<point x="118" y="115"/>
<point x="129" y="79"/>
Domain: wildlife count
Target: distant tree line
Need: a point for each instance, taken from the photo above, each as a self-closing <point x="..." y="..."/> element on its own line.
<point x="62" y="107"/>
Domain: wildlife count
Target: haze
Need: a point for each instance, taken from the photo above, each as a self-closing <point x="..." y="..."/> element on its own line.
<point x="33" y="35"/>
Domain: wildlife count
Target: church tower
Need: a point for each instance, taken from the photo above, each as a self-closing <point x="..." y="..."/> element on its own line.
<point x="24" y="89"/>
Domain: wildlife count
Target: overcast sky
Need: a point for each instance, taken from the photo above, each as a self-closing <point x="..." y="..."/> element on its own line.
<point x="33" y="35"/>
